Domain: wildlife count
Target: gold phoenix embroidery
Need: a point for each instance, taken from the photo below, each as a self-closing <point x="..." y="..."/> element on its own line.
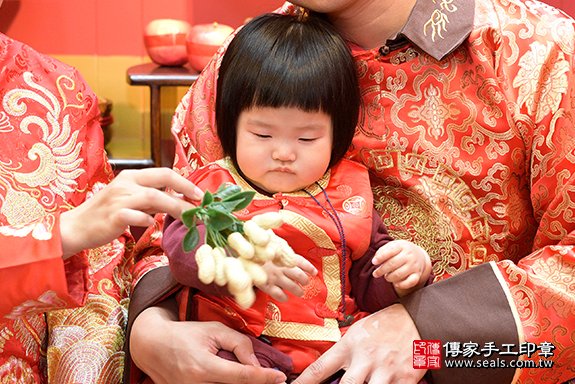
<point x="59" y="153"/>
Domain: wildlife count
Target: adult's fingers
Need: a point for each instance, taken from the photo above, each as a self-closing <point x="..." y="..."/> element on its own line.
<point x="229" y="372"/>
<point x="235" y="342"/>
<point x="356" y="373"/>
<point x="135" y="218"/>
<point x="163" y="178"/>
<point x="152" y="201"/>
<point x="248" y="371"/>
<point x="326" y="365"/>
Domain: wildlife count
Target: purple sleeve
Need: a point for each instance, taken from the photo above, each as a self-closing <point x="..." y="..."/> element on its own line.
<point x="370" y="293"/>
<point x="183" y="264"/>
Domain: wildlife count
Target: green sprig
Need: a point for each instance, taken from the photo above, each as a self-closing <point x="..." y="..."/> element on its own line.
<point x="215" y="211"/>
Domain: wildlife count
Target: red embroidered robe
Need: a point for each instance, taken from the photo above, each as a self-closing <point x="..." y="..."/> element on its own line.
<point x="51" y="159"/>
<point x="468" y="131"/>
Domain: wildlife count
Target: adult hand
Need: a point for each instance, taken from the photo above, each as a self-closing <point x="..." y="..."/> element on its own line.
<point x="377" y="349"/>
<point x="174" y="352"/>
<point x="130" y="199"/>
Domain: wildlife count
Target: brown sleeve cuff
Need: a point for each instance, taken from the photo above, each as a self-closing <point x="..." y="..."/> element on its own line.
<point x="470" y="307"/>
<point x="153" y="287"/>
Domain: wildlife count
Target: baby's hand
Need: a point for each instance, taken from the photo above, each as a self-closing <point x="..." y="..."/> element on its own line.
<point x="404" y="264"/>
<point x="288" y="279"/>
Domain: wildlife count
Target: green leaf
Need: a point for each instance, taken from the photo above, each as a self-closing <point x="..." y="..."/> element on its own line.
<point x="224" y="192"/>
<point x="218" y="220"/>
<point x="191" y="239"/>
<point x="208" y="198"/>
<point x="224" y="206"/>
<point x="243" y="199"/>
<point x="189" y="217"/>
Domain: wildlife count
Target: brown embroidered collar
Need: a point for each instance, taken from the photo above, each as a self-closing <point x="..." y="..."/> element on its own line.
<point x="438" y="26"/>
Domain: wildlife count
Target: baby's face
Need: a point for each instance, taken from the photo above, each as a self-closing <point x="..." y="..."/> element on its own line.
<point x="283" y="149"/>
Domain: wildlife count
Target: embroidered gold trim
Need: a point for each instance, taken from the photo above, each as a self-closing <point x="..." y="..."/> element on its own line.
<point x="309" y="228"/>
<point x="305" y="332"/>
<point x="331" y="277"/>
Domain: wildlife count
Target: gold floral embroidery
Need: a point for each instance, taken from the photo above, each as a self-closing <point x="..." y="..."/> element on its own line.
<point x="542" y="80"/>
<point x="563" y="30"/>
<point x="441" y="200"/>
<point x="273" y="312"/>
<point x="558" y="275"/>
<point x="313" y="288"/>
<point x="434" y="112"/>
<point x="102" y="256"/>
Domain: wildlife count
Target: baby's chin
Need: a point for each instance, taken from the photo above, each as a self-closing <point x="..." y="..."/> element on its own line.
<point x="280" y="187"/>
<point x="272" y="190"/>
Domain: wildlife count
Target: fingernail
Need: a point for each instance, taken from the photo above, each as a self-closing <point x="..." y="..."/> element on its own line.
<point x="255" y="361"/>
<point x="199" y="192"/>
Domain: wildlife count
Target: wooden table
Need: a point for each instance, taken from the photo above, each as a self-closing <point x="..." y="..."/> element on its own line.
<point x="155" y="77"/>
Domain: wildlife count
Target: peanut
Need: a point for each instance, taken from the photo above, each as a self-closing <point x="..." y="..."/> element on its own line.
<point x="219" y="255"/>
<point x="284" y="254"/>
<point x="256" y="234"/>
<point x="238" y="279"/>
<point x="264" y="253"/>
<point x="268" y="220"/>
<point x="243" y="247"/>
<point x="245" y="298"/>
<point x="285" y="257"/>
<point x="206" y="264"/>
<point x="256" y="272"/>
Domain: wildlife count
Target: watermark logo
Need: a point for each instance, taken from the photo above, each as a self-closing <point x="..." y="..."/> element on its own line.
<point x="427" y="355"/>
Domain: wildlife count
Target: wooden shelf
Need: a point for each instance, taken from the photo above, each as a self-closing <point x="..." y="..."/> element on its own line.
<point x="155" y="76"/>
